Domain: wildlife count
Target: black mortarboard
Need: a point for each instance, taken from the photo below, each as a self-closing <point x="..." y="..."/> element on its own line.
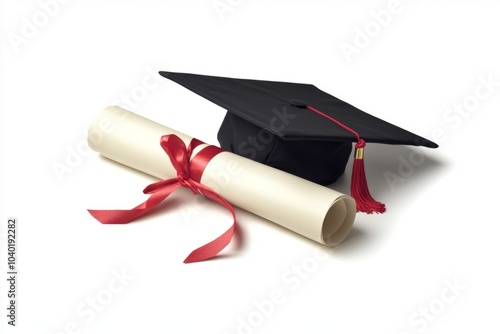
<point x="297" y="128"/>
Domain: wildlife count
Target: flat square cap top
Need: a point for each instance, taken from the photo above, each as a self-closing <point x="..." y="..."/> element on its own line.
<point x="263" y="103"/>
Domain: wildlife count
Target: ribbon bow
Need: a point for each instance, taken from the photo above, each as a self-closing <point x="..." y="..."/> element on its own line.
<point x="188" y="175"/>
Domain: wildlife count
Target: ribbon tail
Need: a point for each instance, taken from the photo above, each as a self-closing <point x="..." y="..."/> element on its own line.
<point x="214" y="247"/>
<point x="211" y="249"/>
<point x="126" y="216"/>
<point x="116" y="216"/>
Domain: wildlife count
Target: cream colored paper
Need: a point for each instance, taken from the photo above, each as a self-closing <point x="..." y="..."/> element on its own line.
<point x="311" y="210"/>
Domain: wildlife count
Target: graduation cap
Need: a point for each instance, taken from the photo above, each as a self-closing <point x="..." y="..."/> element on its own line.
<point x="297" y="128"/>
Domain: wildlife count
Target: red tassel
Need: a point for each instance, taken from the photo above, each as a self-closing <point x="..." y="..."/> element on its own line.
<point x="359" y="186"/>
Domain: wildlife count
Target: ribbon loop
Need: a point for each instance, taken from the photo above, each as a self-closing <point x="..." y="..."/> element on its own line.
<point x="179" y="156"/>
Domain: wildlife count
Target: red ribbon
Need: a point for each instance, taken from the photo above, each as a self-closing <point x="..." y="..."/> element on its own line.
<point x="188" y="175"/>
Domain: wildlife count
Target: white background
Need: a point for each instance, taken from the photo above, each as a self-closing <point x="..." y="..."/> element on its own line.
<point x="392" y="274"/>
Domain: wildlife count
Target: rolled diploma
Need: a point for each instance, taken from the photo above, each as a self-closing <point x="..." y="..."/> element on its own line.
<point x="316" y="212"/>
